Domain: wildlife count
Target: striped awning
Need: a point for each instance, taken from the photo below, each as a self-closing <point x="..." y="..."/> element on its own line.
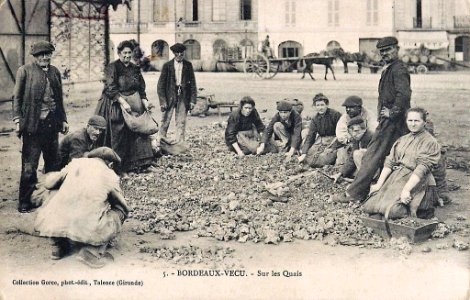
<point x="432" y="40"/>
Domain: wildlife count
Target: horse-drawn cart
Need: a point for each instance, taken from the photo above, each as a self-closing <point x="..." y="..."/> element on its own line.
<point x="260" y="66"/>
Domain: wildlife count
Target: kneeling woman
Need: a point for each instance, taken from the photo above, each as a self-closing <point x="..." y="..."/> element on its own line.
<point x="242" y="135"/>
<point x="406" y="185"/>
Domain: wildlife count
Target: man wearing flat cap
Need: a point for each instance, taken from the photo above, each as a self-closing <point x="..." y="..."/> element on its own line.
<point x="177" y="92"/>
<point x="318" y="149"/>
<point x="359" y="137"/>
<point x="39" y="115"/>
<point x="80" y="142"/>
<point x="394" y="101"/>
<point x="354" y="108"/>
<point x="283" y="134"/>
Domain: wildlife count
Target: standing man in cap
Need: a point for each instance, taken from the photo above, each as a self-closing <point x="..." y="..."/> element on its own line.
<point x="39" y="115"/>
<point x="177" y="91"/>
<point x="394" y="101"/>
<point x="354" y="108"/>
<point x="79" y="143"/>
<point x="283" y="132"/>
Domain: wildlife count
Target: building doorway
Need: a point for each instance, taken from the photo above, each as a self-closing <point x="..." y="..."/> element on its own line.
<point x="290" y="49"/>
<point x="193" y="50"/>
<point x="462" y="48"/>
<point x="219" y="49"/>
<point x="160" y="50"/>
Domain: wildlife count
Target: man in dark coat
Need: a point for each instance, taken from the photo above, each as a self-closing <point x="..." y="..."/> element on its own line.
<point x="177" y="91"/>
<point x="79" y="143"/>
<point x="38" y="111"/>
<point x="359" y="138"/>
<point x="394" y="100"/>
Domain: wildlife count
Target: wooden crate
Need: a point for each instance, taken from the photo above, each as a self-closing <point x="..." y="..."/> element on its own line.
<point x="414" y="234"/>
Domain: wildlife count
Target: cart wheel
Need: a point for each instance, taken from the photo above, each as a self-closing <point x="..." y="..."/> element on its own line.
<point x="274" y="67"/>
<point x="421" y="69"/>
<point x="256" y="66"/>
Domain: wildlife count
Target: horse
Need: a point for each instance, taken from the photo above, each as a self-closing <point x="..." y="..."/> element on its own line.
<point x="348" y="57"/>
<point x="318" y="59"/>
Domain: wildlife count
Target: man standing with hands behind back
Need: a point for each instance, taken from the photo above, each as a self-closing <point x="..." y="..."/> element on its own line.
<point x="394" y="101"/>
<point x="38" y="111"/>
<point x="177" y="91"/>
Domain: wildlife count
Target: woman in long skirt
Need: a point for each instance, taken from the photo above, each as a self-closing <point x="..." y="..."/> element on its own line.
<point x="124" y="88"/>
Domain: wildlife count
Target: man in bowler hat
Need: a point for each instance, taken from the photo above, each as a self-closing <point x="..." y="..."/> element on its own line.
<point x="39" y="115"/>
<point x="177" y="91"/>
<point x="394" y="101"/>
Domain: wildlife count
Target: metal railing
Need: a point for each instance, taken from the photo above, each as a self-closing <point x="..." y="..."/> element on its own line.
<point x="425" y="23"/>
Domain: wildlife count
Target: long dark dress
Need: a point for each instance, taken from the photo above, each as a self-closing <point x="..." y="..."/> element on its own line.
<point x="135" y="150"/>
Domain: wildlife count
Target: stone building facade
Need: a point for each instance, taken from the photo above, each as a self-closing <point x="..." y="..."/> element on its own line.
<point x="215" y="30"/>
<point x="305" y="26"/>
<point x="212" y="30"/>
<point x="443" y="26"/>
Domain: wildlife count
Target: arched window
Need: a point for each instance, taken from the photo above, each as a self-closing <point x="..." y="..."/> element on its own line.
<point x="247" y="48"/>
<point x="290" y="49"/>
<point x="219" y="49"/>
<point x="160" y="50"/>
<point x="193" y="50"/>
<point x="333" y="45"/>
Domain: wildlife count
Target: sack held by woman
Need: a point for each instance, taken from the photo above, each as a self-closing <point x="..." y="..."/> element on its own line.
<point x="143" y="124"/>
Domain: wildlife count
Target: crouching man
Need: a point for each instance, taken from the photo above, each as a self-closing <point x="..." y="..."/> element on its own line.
<point x="81" y="142"/>
<point x="88" y="208"/>
<point x="359" y="138"/>
<point x="283" y="134"/>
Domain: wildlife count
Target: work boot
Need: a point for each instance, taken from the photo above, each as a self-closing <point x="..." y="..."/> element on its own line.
<point x="25" y="208"/>
<point x="60" y="248"/>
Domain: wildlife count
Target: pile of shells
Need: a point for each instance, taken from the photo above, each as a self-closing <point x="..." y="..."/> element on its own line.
<point x="213" y="192"/>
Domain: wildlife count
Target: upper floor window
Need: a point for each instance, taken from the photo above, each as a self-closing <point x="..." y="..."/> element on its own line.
<point x="333" y="13"/>
<point x="191" y="10"/>
<point x="195" y="10"/>
<point x="219" y="10"/>
<point x="129" y="16"/>
<point x="245" y="9"/>
<point x="290" y="13"/>
<point x="160" y="11"/>
<point x="372" y="12"/>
